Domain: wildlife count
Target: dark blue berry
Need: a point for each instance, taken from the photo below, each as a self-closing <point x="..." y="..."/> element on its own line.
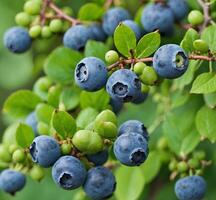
<point x="91" y="74"/>
<point x="45" y="150"/>
<point x="190" y="188"/>
<point x="68" y="172"/>
<point x="140" y="98"/>
<point x="179" y="8"/>
<point x="113" y="17"/>
<point x="170" y="61"/>
<point x="17" y="40"/>
<point x="31" y="120"/>
<point x="131" y="149"/>
<point x="97" y="33"/>
<point x="116" y="105"/>
<point x="99" y="158"/>
<point x="100" y="183"/>
<point x="157" y="16"/>
<point x="12" y="181"/>
<point x="135" y="27"/>
<point x="76" y="37"/>
<point x="123" y="85"/>
<point x="133" y="126"/>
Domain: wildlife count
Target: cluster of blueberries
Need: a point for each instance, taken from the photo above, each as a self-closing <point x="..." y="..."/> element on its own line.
<point x="155" y="16"/>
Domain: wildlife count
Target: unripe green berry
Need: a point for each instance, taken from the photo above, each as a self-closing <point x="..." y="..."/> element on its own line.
<point x="56" y="25"/>
<point x="88" y="142"/>
<point x="138" y="68"/>
<point x="22" y="19"/>
<point x="32" y="7"/>
<point x="111" y="56"/>
<point x="149" y="76"/>
<point x="193" y="163"/>
<point x="182" y="166"/>
<point x="66" y="149"/>
<point x="107" y="130"/>
<point x="4" y="154"/>
<point x="106" y="116"/>
<point x="43" y="128"/>
<point x="12" y="148"/>
<point x="35" y="31"/>
<point x="201" y="45"/>
<point x="200" y="155"/>
<point x="144" y="88"/>
<point x="195" y="17"/>
<point x="162" y="143"/>
<point x="173" y="165"/>
<point x="46" y="32"/>
<point x="37" y="173"/>
<point x="18" y="156"/>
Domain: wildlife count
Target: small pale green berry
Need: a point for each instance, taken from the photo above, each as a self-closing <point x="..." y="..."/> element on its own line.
<point x="56" y="25"/>
<point x="37" y="173"/>
<point x="66" y="148"/>
<point x="46" y="32"/>
<point x="35" y="31"/>
<point x="138" y="68"/>
<point x="19" y="156"/>
<point x="111" y="56"/>
<point x="201" y="45"/>
<point x="149" y="76"/>
<point x="22" y="19"/>
<point x="195" y="17"/>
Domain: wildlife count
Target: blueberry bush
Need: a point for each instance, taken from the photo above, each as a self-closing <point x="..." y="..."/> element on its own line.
<point x="123" y="101"/>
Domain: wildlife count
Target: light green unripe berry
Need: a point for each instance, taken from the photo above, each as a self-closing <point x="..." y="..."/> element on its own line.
<point x="18" y="156"/>
<point x="144" y="88"/>
<point x="182" y="166"/>
<point x="106" y="116"/>
<point x="111" y="56"/>
<point x="12" y="148"/>
<point x="107" y="130"/>
<point x="35" y="31"/>
<point x="56" y="25"/>
<point x="149" y="76"/>
<point x="193" y="163"/>
<point x="66" y="149"/>
<point x="138" y="68"/>
<point x="43" y="128"/>
<point x="22" y="19"/>
<point x="37" y="173"/>
<point x="46" y="32"/>
<point x="195" y="17"/>
<point x="32" y="7"/>
<point x="173" y="165"/>
<point x="201" y="45"/>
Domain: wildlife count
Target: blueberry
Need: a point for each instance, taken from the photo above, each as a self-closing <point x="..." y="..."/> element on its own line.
<point x="190" y="188"/>
<point x="157" y="16"/>
<point x="140" y="98"/>
<point x="12" y="181"/>
<point x="100" y="183"/>
<point x="76" y="37"/>
<point x="133" y="126"/>
<point x="68" y="172"/>
<point x="97" y="33"/>
<point x="135" y="27"/>
<point x="123" y="85"/>
<point x="31" y="120"/>
<point x="170" y="61"/>
<point x="45" y="150"/>
<point x="91" y="74"/>
<point x="131" y="149"/>
<point x="112" y="18"/>
<point x="179" y="8"/>
<point x="116" y="105"/>
<point x="17" y="40"/>
<point x="99" y="158"/>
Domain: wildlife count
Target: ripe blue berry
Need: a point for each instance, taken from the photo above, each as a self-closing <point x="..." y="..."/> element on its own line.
<point x="76" y="37"/>
<point x="17" y="40"/>
<point x="131" y="149"/>
<point x="140" y="98"/>
<point x="123" y="85"/>
<point x="68" y="172"/>
<point x="170" y="61"/>
<point x="91" y="74"/>
<point x="190" y="188"/>
<point x="97" y="33"/>
<point x="116" y="105"/>
<point x="133" y="126"/>
<point x="99" y="158"/>
<point x="31" y="120"/>
<point x="100" y="183"/>
<point x="135" y="28"/>
<point x="179" y="8"/>
<point x="45" y="150"/>
<point x="157" y="16"/>
<point x="112" y="18"/>
<point x="12" y="181"/>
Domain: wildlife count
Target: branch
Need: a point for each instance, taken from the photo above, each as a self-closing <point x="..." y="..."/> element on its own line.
<point x="206" y="11"/>
<point x="43" y="12"/>
<point x="199" y="57"/>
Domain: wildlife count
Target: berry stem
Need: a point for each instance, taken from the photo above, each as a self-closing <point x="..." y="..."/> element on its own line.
<point x="43" y="12"/>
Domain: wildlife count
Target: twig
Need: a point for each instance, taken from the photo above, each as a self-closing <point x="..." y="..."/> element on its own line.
<point x="199" y="57"/>
<point x="206" y="11"/>
<point x="43" y="12"/>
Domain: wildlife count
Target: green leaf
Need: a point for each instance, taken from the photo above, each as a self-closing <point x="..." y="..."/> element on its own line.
<point x="205" y="123"/>
<point x="86" y="116"/>
<point x="187" y="42"/>
<point x="64" y="124"/>
<point x="61" y="63"/>
<point x="209" y="35"/>
<point x="98" y="100"/>
<point x="148" y="44"/>
<point x="54" y="95"/>
<point x="96" y="49"/>
<point x="210" y="100"/>
<point x="130" y="181"/>
<point x="90" y="12"/>
<point x="44" y="113"/>
<point x="24" y="135"/>
<point x="19" y="104"/>
<point x="70" y="97"/>
<point x="9" y="136"/>
<point x="151" y="166"/>
<point x="204" y="83"/>
<point x="125" y="40"/>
